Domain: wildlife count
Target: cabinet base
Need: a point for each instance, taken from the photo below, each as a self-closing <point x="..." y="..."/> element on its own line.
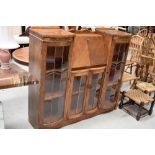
<point x="65" y="122"/>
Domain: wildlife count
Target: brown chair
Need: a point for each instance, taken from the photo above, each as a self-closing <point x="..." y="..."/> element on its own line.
<point x="140" y="75"/>
<point x="137" y="97"/>
<point x="143" y="33"/>
<point x="136" y="102"/>
<point x="148" y="56"/>
<point x="135" y="48"/>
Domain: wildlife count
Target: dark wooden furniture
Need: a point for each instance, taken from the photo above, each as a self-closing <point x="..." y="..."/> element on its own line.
<point x="136" y="105"/>
<point x="135" y="100"/>
<point x="79" y="74"/>
<point x="21" y="55"/>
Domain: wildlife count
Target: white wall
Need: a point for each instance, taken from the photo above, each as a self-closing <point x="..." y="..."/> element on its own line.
<point x="7" y="34"/>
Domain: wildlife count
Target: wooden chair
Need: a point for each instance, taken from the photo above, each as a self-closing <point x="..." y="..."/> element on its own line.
<point x="135" y="105"/>
<point x="137" y="97"/>
<point x="148" y="56"/>
<point x="135" y="48"/>
<point x="153" y="37"/>
<point x="140" y="75"/>
<point x="143" y="33"/>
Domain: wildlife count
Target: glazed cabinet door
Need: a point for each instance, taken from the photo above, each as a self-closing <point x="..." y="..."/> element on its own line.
<point x="115" y="76"/>
<point x="55" y="83"/>
<point x="94" y="86"/>
<point x="85" y="90"/>
<point x="77" y="93"/>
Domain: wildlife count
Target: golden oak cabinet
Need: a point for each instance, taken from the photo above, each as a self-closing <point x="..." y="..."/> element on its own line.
<point x="79" y="74"/>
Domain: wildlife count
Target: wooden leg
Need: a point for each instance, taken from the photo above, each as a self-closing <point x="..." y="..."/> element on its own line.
<point x="151" y="108"/>
<point x="131" y="69"/>
<point x="139" y="112"/>
<point x="133" y="84"/>
<point x="122" y="99"/>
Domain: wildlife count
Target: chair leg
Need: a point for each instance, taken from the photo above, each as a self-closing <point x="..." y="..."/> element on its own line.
<point x="122" y="99"/>
<point x="131" y="69"/>
<point x="139" y="112"/>
<point x="133" y="84"/>
<point x="151" y="108"/>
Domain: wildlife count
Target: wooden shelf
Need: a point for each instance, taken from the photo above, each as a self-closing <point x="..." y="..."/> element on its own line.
<point x="53" y="95"/>
<point x="111" y="83"/>
<point x="77" y="92"/>
<point x="50" y="71"/>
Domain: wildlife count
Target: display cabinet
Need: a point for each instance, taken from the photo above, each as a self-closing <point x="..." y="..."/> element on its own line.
<point x="79" y="74"/>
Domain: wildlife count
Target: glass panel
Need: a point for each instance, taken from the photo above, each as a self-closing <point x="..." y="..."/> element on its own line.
<point x="116" y="72"/>
<point x="55" y="83"/>
<point x="50" y="58"/>
<point x="119" y="53"/>
<point x="76" y="84"/>
<point x="73" y="104"/>
<point x="118" y="61"/>
<point x="80" y="102"/>
<point x="77" y="99"/>
<point x="54" y="110"/>
<point x="116" y="53"/>
<point x="95" y="90"/>
<point x="110" y="94"/>
<point x="57" y="58"/>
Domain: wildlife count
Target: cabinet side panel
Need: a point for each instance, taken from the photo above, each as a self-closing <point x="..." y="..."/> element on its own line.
<point x="35" y="47"/>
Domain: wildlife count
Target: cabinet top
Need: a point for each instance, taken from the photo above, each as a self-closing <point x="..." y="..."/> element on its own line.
<point x="114" y="33"/>
<point x="51" y="33"/>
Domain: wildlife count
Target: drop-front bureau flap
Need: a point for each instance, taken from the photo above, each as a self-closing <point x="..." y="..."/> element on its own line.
<point x="88" y="50"/>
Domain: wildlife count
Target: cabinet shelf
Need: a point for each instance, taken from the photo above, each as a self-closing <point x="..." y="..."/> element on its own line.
<point x="51" y="71"/>
<point x="53" y="95"/>
<point x="112" y="83"/>
<point x="77" y="92"/>
<point x="117" y="62"/>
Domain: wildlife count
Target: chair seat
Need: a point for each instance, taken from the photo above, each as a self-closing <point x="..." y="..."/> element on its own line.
<point x="138" y="96"/>
<point x="128" y="77"/>
<point x="144" y="86"/>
